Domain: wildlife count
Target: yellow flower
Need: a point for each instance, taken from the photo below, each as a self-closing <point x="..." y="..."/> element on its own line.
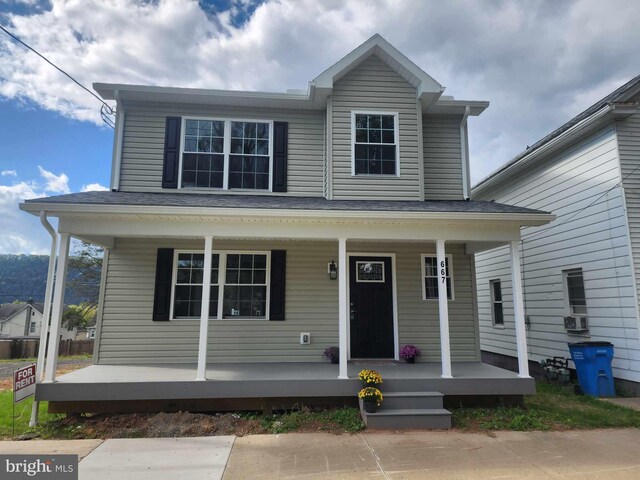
<point x="371" y="394"/>
<point x="369" y="377"/>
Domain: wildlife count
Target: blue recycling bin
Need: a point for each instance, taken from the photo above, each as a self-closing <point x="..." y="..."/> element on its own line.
<point x="593" y="366"/>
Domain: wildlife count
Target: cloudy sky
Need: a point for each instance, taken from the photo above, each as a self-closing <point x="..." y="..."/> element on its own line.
<point x="538" y="62"/>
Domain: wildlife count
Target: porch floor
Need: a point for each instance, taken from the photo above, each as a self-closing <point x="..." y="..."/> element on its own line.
<point x="253" y="380"/>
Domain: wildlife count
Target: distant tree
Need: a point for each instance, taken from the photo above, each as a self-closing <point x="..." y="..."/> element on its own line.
<point x="87" y="261"/>
<point x="79" y="315"/>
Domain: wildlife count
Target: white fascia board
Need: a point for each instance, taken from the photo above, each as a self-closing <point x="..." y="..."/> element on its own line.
<point x="199" y="96"/>
<point x="528" y="219"/>
<point x="376" y="44"/>
<point x="511" y="168"/>
<point x="456" y="107"/>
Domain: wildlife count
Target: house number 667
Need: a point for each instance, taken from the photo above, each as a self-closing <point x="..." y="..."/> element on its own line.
<point x="443" y="272"/>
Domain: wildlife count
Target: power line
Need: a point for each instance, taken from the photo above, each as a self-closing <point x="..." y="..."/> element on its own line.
<point x="105" y="110"/>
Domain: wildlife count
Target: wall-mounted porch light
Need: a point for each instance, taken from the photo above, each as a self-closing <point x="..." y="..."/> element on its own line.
<point x="333" y="270"/>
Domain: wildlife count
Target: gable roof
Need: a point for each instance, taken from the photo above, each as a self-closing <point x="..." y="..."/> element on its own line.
<point x="428" y="90"/>
<point x="608" y="104"/>
<point x="9" y="310"/>
<point x="424" y="83"/>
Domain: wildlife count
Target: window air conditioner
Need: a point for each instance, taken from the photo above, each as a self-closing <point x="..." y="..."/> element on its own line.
<point x="576" y="323"/>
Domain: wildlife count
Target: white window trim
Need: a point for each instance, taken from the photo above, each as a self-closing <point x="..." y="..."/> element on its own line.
<point x="493" y="302"/>
<point x="565" y="289"/>
<point x="222" y="267"/>
<point x="226" y="152"/>
<point x="424" y="271"/>
<point x="353" y="141"/>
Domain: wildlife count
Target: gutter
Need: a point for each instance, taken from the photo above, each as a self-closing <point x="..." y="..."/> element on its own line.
<point x="464" y="157"/>
<point x="191" y="211"/>
<point x="46" y="311"/>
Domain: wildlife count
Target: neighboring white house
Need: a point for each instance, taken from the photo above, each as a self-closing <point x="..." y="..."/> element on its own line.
<point x="580" y="272"/>
<point x="245" y="232"/>
<point x="24" y="320"/>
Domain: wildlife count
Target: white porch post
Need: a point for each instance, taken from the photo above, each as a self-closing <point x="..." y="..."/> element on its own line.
<point x="58" y="308"/>
<point x="518" y="311"/>
<point x="46" y="312"/>
<point x="204" y="310"/>
<point x="342" y="306"/>
<point x="443" y="305"/>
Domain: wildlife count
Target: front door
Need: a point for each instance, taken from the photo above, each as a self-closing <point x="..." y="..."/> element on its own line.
<point x="371" y="316"/>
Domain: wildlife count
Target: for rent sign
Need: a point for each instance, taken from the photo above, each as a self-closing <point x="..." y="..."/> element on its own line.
<point x="24" y="382"/>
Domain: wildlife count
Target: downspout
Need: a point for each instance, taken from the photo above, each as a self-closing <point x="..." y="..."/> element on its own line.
<point x="117" y="146"/>
<point x="46" y="311"/>
<point x="464" y="154"/>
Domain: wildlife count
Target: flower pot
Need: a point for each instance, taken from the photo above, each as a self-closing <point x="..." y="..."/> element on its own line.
<point x="370" y="406"/>
<point x="411" y="360"/>
<point x="335" y="361"/>
<point x="370" y="384"/>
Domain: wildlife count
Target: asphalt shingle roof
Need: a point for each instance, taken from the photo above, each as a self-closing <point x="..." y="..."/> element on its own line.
<point x="278" y="202"/>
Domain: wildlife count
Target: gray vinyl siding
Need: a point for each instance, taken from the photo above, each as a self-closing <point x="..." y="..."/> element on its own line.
<point x="143" y="145"/>
<point x="442" y="157"/>
<point x="629" y="147"/>
<point x="590" y="232"/>
<point x="373" y="85"/>
<point x="128" y="336"/>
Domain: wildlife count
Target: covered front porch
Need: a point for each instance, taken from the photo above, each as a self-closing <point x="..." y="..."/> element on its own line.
<point x="301" y="381"/>
<point x="216" y="353"/>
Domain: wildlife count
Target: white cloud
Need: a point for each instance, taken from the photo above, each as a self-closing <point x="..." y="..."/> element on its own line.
<point x="9" y="173"/>
<point x="55" y="183"/>
<point x="20" y="232"/>
<point x="537" y="62"/>
<point x="93" y="187"/>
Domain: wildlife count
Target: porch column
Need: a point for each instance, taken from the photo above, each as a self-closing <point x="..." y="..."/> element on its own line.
<point x="443" y="305"/>
<point x="518" y="311"/>
<point x="204" y="310"/>
<point x="46" y="313"/>
<point x="58" y="308"/>
<point x="342" y="306"/>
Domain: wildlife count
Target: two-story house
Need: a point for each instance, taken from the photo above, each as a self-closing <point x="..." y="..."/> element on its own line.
<point x="580" y="272"/>
<point x="245" y="232"/>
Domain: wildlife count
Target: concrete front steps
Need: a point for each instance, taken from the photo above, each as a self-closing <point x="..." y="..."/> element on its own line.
<point x="409" y="410"/>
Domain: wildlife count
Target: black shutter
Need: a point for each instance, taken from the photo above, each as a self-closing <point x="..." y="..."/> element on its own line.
<point x="280" y="145"/>
<point x="171" y="152"/>
<point x="278" y="284"/>
<point x="162" y="295"/>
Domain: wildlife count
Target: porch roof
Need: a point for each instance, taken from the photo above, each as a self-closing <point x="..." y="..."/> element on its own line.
<point x="268" y="202"/>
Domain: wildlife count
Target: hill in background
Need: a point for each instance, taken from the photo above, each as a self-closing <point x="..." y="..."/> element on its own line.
<point x="25" y="276"/>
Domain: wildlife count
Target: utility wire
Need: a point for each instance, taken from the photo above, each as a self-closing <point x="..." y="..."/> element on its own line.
<point x="105" y="109"/>
<point x="537" y="234"/>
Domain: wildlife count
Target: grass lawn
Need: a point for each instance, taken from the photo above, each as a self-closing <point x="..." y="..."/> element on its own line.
<point x="33" y="359"/>
<point x="22" y="413"/>
<point x="553" y="407"/>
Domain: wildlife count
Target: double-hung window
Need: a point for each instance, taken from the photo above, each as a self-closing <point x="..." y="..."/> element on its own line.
<point x="575" y="291"/>
<point x="226" y="154"/>
<point x="432" y="278"/>
<point x="374" y="143"/>
<point x="239" y="285"/>
<point x="497" y="314"/>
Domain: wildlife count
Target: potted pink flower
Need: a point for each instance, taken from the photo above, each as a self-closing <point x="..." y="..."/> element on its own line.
<point x="409" y="353"/>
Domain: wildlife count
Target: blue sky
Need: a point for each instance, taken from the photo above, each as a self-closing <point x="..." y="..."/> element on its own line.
<point x="539" y="63"/>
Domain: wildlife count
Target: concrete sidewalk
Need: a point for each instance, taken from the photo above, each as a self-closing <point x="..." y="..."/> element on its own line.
<point x="588" y="455"/>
